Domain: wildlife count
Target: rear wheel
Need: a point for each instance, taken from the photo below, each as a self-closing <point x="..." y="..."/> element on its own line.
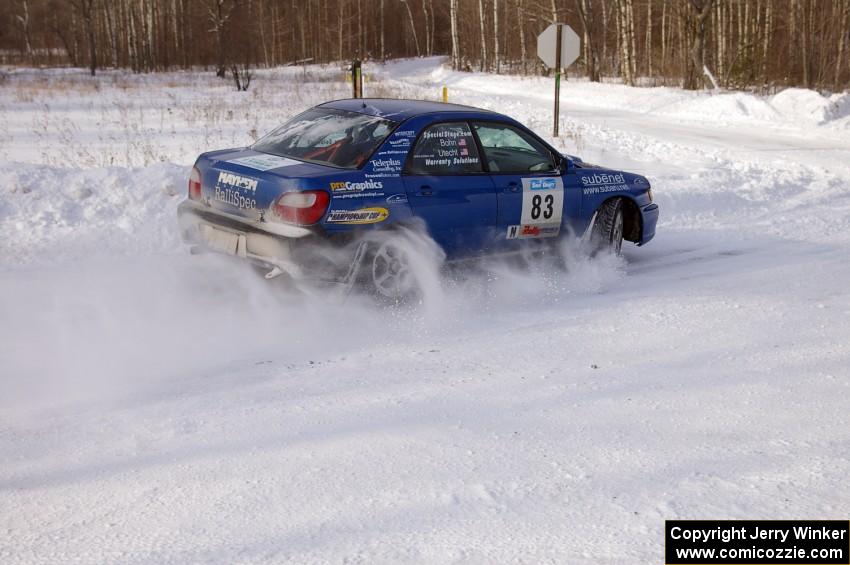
<point x="388" y="273"/>
<point x="607" y="231"/>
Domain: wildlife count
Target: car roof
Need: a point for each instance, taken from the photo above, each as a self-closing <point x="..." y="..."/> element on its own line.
<point x="399" y="109"/>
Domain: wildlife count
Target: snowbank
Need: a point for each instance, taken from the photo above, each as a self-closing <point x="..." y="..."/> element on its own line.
<point x="52" y="214"/>
<point x="794" y="108"/>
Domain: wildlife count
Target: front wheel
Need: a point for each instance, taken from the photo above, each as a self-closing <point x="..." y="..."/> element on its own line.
<point x="607" y="231"/>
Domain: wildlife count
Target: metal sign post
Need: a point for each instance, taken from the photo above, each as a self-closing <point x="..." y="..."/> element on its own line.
<point x="557" y="80"/>
<point x="558" y="47"/>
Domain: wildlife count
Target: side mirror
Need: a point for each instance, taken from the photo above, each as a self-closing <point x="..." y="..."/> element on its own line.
<point x="566" y="164"/>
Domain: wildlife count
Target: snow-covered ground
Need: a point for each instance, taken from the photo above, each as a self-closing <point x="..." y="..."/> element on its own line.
<point x="162" y="408"/>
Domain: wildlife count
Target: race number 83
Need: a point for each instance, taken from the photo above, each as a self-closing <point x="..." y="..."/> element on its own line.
<point x="542" y="204"/>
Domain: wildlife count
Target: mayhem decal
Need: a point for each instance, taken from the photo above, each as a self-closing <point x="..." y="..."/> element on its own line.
<point x="356" y="217"/>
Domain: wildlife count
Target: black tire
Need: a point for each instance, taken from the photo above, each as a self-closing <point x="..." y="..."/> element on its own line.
<point x="607" y="231"/>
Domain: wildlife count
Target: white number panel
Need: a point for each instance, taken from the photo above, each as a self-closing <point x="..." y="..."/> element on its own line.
<point x="542" y="208"/>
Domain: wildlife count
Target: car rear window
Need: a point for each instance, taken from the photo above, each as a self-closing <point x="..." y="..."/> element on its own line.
<point x="327" y="136"/>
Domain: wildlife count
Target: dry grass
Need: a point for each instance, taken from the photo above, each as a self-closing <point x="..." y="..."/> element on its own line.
<point x="120" y="119"/>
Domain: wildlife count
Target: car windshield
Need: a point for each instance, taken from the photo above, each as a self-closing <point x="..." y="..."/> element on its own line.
<point x="328" y="136"/>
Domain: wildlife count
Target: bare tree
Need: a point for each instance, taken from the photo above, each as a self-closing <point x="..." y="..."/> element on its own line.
<point x="483" y="65"/>
<point x="521" y="24"/>
<point x="455" y="38"/>
<point x="219" y="12"/>
<point x="625" y="40"/>
<point x="763" y="44"/>
<point x="844" y="39"/>
<point x="699" y="18"/>
<point x="591" y="56"/>
<point x="23" y="20"/>
<point x="496" y="60"/>
<point x="412" y="26"/>
<point x="242" y="76"/>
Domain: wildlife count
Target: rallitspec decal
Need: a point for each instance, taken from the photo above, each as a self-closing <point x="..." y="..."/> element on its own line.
<point x="542" y="208"/>
<point x="362" y="216"/>
<point x="234" y="190"/>
<point x="265" y="162"/>
<point x="601" y="183"/>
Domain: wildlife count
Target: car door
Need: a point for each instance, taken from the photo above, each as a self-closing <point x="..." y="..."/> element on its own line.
<point x="529" y="186"/>
<point x="448" y="188"/>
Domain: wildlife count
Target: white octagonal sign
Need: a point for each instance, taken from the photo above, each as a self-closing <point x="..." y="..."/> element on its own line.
<point x="570" y="45"/>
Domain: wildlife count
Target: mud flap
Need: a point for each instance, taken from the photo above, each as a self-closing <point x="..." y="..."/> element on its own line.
<point x="350" y="277"/>
<point x="585" y="237"/>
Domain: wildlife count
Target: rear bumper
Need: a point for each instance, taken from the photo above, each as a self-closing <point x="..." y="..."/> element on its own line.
<point x="301" y="252"/>
<point x="649" y="217"/>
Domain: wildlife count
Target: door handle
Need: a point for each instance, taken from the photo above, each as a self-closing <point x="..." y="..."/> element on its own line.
<point x="513" y="187"/>
<point x="425" y="190"/>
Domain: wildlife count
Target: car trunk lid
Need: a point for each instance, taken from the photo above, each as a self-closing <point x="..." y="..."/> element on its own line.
<point x="246" y="183"/>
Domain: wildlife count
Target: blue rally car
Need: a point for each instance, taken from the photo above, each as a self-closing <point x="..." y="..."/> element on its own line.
<point x="306" y="199"/>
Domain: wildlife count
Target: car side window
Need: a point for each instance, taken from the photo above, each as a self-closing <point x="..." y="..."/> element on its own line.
<point x="445" y="149"/>
<point x="510" y="150"/>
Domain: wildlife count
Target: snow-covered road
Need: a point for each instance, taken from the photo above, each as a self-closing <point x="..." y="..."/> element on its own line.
<point x="160" y="408"/>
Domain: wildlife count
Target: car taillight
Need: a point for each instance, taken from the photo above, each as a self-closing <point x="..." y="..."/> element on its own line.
<point x="195" y="184"/>
<point x="302" y="208"/>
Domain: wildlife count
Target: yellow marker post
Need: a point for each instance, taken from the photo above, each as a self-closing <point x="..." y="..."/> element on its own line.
<point x="445" y="94"/>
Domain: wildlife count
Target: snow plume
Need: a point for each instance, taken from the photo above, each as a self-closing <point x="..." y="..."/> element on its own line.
<point x="112" y="328"/>
<point x="462" y="293"/>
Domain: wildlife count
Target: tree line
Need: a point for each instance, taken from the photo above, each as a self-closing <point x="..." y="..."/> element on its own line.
<point x="755" y="44"/>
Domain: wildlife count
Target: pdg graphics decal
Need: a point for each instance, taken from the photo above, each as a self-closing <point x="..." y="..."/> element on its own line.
<point x="355" y="217"/>
<point x="348" y="186"/>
